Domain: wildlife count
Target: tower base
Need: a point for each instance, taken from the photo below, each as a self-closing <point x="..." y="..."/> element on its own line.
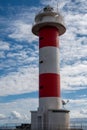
<point x="50" y="120"/>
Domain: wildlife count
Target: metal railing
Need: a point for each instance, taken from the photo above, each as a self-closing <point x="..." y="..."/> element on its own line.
<point x="73" y="126"/>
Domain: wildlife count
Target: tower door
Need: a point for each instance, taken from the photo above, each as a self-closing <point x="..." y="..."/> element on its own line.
<point x="40" y="123"/>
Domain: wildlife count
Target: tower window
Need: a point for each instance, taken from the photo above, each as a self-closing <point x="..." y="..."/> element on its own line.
<point x="41" y="87"/>
<point x="41" y="62"/>
<point x="41" y="38"/>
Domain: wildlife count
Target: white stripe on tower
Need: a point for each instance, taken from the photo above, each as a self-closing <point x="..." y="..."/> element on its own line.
<point x="49" y="60"/>
<point x="49" y="77"/>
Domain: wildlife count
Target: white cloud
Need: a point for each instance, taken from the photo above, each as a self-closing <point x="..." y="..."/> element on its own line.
<point x="15" y="115"/>
<point x="19" y="55"/>
<point x="22" y="32"/>
<point x="2" y="116"/>
<point x="2" y="54"/>
<point x="83" y="112"/>
<point x="17" y="47"/>
<point x="4" y="45"/>
<point x="26" y="80"/>
<point x="74" y="77"/>
<point x="77" y="107"/>
<point x="19" y="111"/>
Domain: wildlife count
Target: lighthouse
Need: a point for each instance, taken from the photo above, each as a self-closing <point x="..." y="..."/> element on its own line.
<point x="48" y="26"/>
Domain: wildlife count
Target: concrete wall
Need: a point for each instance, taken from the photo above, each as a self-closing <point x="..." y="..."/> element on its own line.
<point x="58" y="119"/>
<point x="34" y="121"/>
<point x="37" y="120"/>
<point x="50" y="120"/>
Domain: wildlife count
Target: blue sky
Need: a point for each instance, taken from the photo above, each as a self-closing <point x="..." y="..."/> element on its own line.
<point x="19" y="58"/>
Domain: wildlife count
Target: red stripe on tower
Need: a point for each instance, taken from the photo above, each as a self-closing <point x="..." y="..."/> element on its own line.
<point x="49" y="85"/>
<point x="48" y="36"/>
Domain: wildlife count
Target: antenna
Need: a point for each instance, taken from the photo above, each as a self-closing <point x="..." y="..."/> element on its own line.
<point x="64" y="103"/>
<point x="57" y="6"/>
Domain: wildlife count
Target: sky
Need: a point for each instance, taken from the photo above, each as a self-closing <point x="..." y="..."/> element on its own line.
<point x="19" y="58"/>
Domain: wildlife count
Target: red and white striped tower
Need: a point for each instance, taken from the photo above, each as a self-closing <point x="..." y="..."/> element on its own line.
<point x="48" y="27"/>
